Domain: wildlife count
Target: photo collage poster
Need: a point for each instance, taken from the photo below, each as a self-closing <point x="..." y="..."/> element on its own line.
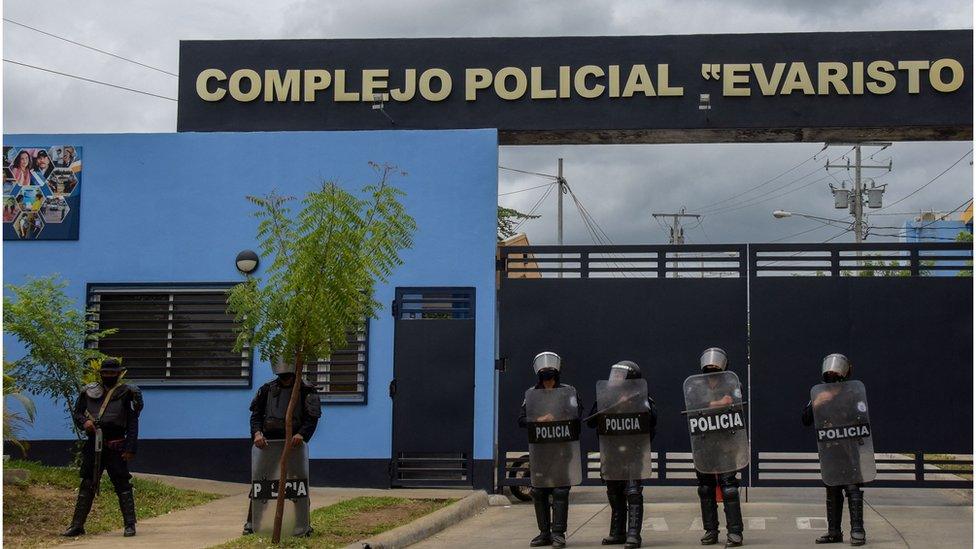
<point x="41" y="192"/>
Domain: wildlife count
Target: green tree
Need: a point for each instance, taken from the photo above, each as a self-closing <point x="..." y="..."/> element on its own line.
<point x="325" y="261"/>
<point x="14" y="422"/>
<point x="965" y="236"/>
<point x="57" y="337"/>
<point x="508" y="219"/>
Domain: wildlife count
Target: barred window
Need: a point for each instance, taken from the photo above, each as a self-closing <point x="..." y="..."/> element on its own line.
<point x="170" y="334"/>
<point x="342" y="376"/>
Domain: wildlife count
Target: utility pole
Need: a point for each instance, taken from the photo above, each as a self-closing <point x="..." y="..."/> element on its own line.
<point x="559" y="211"/>
<point x="855" y="200"/>
<point x="677" y="232"/>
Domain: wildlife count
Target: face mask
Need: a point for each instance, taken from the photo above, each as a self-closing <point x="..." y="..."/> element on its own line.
<point x="286" y="379"/>
<point x="109" y="381"/>
<point x="546" y="375"/>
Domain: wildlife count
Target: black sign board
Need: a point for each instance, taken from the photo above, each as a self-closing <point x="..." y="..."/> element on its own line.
<point x="268" y="489"/>
<point x="731" y="87"/>
<point x="860" y="430"/>
<point x="624" y="424"/>
<point x="728" y="419"/>
<point x="553" y="431"/>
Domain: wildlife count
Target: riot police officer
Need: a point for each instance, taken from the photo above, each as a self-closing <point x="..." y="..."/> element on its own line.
<point x="626" y="497"/>
<point x="108" y="412"/>
<point x="270" y="407"/>
<point x="716" y="360"/>
<point x="836" y="368"/>
<point x="551" y="502"/>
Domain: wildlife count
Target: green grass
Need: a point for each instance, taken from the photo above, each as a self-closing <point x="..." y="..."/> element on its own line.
<point x="34" y="514"/>
<point x="348" y="521"/>
<point x="951" y="466"/>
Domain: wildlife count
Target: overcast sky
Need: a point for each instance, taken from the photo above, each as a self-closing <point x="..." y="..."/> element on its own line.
<point x="619" y="185"/>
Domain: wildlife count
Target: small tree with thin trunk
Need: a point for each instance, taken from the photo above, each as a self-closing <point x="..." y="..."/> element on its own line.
<point x="324" y="262"/>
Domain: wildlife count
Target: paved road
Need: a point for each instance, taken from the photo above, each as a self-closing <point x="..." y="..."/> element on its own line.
<point x="774" y="518"/>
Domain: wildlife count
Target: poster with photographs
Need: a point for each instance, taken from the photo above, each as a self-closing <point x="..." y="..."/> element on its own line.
<point x="41" y="192"/>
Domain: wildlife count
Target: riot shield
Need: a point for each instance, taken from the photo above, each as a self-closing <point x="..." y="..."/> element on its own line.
<point x="840" y="414"/>
<point x="623" y="425"/>
<point x="264" y="489"/>
<point x="716" y="422"/>
<point x="552" y="419"/>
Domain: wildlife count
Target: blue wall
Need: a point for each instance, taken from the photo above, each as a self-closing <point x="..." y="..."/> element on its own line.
<point x="945" y="230"/>
<point x="171" y="208"/>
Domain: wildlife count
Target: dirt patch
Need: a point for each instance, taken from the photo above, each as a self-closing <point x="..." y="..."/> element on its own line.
<point x="33" y="516"/>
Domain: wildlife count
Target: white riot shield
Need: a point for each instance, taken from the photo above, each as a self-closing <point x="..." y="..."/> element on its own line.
<point x="552" y="418"/>
<point x="623" y="424"/>
<point x="716" y="422"/>
<point x="264" y="489"/>
<point x="840" y="414"/>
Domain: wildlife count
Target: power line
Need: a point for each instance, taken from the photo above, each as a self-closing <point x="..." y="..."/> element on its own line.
<point x="930" y="181"/>
<point x="88" y="79"/>
<point x="86" y="46"/>
<point x="535" y="207"/>
<point x="523" y="190"/>
<point x="770" y="180"/>
<point x="773" y="197"/>
<point x="817" y="228"/>
<point x="550" y="176"/>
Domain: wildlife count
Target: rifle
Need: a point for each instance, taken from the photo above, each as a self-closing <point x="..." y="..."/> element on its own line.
<point x="99" y="439"/>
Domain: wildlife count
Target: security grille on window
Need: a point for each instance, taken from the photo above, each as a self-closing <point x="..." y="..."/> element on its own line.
<point x="173" y="334"/>
<point x="342" y="377"/>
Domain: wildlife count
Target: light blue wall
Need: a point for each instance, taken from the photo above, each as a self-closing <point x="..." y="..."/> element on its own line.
<point x="171" y="208"/>
<point x="945" y="230"/>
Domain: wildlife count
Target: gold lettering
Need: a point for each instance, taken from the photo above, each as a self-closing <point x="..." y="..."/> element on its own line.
<point x="879" y="70"/>
<point x="340" y="87"/>
<point x="315" y="80"/>
<point x="797" y="78"/>
<point x="768" y="85"/>
<point x="639" y="81"/>
<point x="914" y="69"/>
<point x="375" y="82"/>
<point x="409" y="86"/>
<point x="831" y="73"/>
<point x="444" y="90"/>
<point x="474" y="80"/>
<point x="613" y="80"/>
<point x="564" y="86"/>
<point x="278" y="89"/>
<point x="580" y="82"/>
<point x="203" y="81"/>
<point x="935" y="75"/>
<point x="730" y="79"/>
<point x="235" y="85"/>
<point x="663" y="89"/>
<point x="857" y="78"/>
<point x="538" y="92"/>
<point x="501" y="88"/>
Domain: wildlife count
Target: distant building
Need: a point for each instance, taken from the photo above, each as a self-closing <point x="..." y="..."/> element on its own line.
<point x="931" y="227"/>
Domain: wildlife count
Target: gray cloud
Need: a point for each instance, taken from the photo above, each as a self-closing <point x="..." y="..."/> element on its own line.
<point x="620" y="185"/>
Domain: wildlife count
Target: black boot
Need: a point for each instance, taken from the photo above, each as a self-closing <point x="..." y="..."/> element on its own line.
<point x="635" y="519"/>
<point x="86" y="495"/>
<point x="855" y="504"/>
<point x="835" y="511"/>
<point x="541" y="501"/>
<point x="127" y="504"/>
<point x="560" y="516"/>
<point x="733" y="514"/>
<point x="248" y="527"/>
<point x="709" y="511"/>
<point x="618" y="514"/>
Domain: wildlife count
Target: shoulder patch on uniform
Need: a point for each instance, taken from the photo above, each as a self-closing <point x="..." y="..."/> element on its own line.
<point x="93" y="390"/>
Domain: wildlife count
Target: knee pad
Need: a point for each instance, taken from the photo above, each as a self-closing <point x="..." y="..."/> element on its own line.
<point x="635" y="498"/>
<point x="560" y="494"/>
<point x="706" y="491"/>
<point x="615" y="487"/>
<point x="540" y="493"/>
<point x="854" y="491"/>
<point x="730" y="492"/>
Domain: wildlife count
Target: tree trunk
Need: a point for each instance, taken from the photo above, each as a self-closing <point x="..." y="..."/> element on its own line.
<point x="283" y="465"/>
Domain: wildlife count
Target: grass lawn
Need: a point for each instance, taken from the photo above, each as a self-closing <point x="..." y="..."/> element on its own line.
<point x="34" y="514"/>
<point x="951" y="466"/>
<point x="349" y="521"/>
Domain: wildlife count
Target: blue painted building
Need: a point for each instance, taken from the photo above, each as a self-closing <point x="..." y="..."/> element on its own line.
<point x="938" y="230"/>
<point x="165" y="215"/>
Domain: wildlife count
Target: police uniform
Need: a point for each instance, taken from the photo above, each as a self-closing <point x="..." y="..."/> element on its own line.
<point x="115" y="411"/>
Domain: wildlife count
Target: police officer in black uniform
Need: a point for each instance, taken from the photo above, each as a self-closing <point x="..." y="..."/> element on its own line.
<point x="626" y="497"/>
<point x="270" y="406"/>
<point x="551" y="518"/>
<point x="108" y="412"/>
<point x="837" y="368"/>
<point x="716" y="360"/>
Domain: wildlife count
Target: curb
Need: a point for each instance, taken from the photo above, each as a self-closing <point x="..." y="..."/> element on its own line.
<point x="426" y="526"/>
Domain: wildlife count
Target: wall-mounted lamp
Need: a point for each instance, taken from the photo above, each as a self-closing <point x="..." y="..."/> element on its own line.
<point x="247" y="262"/>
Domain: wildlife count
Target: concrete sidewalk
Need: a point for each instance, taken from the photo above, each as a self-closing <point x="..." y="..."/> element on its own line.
<point x="222" y="520"/>
<point x="774" y="517"/>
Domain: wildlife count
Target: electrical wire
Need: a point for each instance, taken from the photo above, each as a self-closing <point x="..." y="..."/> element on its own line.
<point x="817" y="228"/>
<point x="523" y="190"/>
<point x="766" y="182"/>
<point x="773" y="197"/>
<point x="930" y="181"/>
<point x="550" y="176"/>
<point x="534" y="207"/>
<point x="93" y="81"/>
<point x="86" y="46"/>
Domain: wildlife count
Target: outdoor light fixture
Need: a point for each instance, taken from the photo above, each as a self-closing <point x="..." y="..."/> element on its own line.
<point x="704" y="102"/>
<point x="780" y="214"/>
<point x="247" y="262"/>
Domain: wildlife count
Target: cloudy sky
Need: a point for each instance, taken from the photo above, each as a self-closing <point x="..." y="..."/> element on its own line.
<point x="620" y="186"/>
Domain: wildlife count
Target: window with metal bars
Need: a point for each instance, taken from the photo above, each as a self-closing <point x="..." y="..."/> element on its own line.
<point x="342" y="376"/>
<point x="171" y="334"/>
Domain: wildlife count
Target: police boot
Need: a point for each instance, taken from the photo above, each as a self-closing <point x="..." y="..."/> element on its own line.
<point x="560" y="516"/>
<point x="127" y="504"/>
<point x="618" y="515"/>
<point x="86" y="495"/>
<point x="855" y="503"/>
<point x="248" y="526"/>
<point x="635" y="518"/>
<point x="709" y="511"/>
<point x="835" y="512"/>
<point x="733" y="515"/>
<point x="541" y="501"/>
